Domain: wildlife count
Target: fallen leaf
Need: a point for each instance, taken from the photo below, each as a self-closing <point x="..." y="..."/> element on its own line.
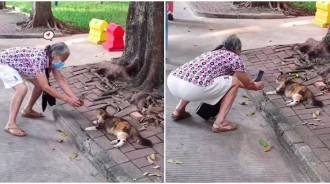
<point x="317" y="113"/>
<point x="314" y="115"/>
<point x="73" y="156"/>
<point x="145" y="174"/>
<point x="60" y="141"/>
<point x="250" y="113"/>
<point x="155" y="174"/>
<point x="242" y="103"/>
<point x="304" y="123"/>
<point x="268" y="149"/>
<point x="171" y="161"/>
<point x="317" y="119"/>
<point x="62" y="133"/>
<point x="312" y="124"/>
<point x="263" y="143"/>
<point x="156" y="167"/>
<point x="153" y="157"/>
<point x="150" y="160"/>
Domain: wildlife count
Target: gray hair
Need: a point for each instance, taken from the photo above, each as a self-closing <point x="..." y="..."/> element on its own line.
<point x="59" y="48"/>
<point x="231" y="43"/>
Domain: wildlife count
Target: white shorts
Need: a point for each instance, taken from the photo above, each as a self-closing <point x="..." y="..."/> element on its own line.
<point x="10" y="76"/>
<point x="190" y="92"/>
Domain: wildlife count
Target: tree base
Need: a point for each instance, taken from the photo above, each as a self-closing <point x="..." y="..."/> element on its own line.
<point x="51" y="24"/>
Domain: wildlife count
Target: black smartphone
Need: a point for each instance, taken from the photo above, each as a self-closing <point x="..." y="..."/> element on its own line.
<point x="259" y="77"/>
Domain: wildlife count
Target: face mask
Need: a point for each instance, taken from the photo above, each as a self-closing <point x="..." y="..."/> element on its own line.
<point x="58" y="65"/>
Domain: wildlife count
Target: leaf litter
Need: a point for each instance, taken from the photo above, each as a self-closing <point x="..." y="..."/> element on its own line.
<point x="171" y="161"/>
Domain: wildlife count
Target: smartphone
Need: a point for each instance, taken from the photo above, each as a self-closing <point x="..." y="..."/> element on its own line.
<point x="259" y="77"/>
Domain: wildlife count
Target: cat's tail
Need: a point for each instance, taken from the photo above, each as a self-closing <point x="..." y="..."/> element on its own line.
<point x="139" y="139"/>
<point x="312" y="101"/>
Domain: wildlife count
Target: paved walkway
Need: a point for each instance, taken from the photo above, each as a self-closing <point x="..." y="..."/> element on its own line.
<point x="229" y="10"/>
<point x="38" y="157"/>
<point x="214" y="157"/>
<point x="9" y="29"/>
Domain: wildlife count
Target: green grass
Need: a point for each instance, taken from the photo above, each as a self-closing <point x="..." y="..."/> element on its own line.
<point x="78" y="14"/>
<point x="306" y="5"/>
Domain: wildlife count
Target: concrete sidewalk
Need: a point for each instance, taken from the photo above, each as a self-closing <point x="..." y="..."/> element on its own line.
<point x="10" y="17"/>
<point x="209" y="157"/>
<point x="227" y="9"/>
<point x="39" y="157"/>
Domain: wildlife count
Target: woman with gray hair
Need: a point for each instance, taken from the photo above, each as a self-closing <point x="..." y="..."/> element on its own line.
<point x="32" y="64"/>
<point x="211" y="77"/>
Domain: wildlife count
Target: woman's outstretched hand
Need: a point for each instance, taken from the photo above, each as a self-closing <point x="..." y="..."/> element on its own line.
<point x="259" y="85"/>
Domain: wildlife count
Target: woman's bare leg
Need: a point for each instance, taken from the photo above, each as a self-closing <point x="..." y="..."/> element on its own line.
<point x="16" y="102"/>
<point x="36" y="92"/>
<point x="226" y="103"/>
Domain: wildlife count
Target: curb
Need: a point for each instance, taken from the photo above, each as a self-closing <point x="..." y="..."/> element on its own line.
<point x="300" y="153"/>
<point x="27" y="36"/>
<point x="237" y="16"/>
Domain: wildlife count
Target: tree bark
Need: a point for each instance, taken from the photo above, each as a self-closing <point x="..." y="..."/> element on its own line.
<point x="143" y="56"/>
<point x="2" y="5"/>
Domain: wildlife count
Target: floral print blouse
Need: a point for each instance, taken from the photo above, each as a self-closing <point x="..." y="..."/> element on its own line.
<point x="26" y="60"/>
<point x="203" y="69"/>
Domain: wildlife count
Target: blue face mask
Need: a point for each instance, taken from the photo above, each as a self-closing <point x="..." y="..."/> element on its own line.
<point x="58" y="65"/>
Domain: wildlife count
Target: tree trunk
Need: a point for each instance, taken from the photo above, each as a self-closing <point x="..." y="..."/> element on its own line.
<point x="42" y="16"/>
<point x="2" y="5"/>
<point x="144" y="48"/>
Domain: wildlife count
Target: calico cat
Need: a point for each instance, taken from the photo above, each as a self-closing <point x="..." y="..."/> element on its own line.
<point x="118" y="127"/>
<point x="297" y="91"/>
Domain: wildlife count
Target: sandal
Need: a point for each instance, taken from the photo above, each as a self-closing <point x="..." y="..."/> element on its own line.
<point x="225" y="128"/>
<point x="180" y="116"/>
<point x="32" y="114"/>
<point x="15" y="131"/>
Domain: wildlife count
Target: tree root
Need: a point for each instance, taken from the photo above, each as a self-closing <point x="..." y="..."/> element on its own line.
<point x="51" y="24"/>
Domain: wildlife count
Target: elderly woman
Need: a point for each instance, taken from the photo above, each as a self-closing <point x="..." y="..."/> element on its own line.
<point x="211" y="77"/>
<point x="31" y="64"/>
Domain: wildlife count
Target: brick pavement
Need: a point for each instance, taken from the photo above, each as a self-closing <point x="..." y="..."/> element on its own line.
<point x="227" y="9"/>
<point x="301" y="138"/>
<point x="132" y="157"/>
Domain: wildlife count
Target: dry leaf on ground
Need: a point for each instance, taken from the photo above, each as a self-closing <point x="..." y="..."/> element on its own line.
<point x="246" y="97"/>
<point x="145" y="174"/>
<point x="242" y="103"/>
<point x="268" y="149"/>
<point x="155" y="174"/>
<point x="156" y="167"/>
<point x="317" y="113"/>
<point x="60" y="141"/>
<point x="62" y="133"/>
<point x="150" y="160"/>
<point x="73" y="156"/>
<point x="171" y="161"/>
<point x="153" y="157"/>
<point x="250" y="113"/>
